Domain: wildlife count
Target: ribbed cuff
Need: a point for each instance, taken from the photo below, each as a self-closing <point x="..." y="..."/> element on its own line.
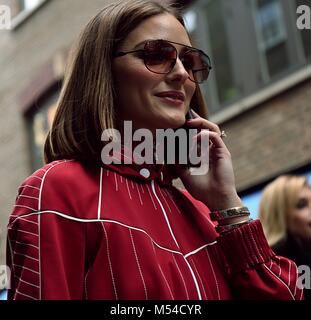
<point x="245" y="247"/>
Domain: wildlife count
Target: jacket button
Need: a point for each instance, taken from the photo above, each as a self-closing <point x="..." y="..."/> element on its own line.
<point x="145" y="173"/>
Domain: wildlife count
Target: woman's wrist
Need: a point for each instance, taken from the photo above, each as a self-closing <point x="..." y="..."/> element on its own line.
<point x="230" y="218"/>
<point x="224" y="202"/>
<point x="222" y="229"/>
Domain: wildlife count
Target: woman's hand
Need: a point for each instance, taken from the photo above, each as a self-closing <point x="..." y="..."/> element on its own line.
<point x="216" y="188"/>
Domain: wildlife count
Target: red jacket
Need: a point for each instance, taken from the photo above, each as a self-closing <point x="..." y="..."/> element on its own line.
<point x="125" y="232"/>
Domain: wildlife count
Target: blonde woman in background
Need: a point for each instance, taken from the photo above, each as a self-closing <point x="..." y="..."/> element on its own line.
<point x="285" y="213"/>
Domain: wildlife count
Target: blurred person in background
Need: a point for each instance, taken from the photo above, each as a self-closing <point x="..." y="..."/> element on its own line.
<point x="285" y="213"/>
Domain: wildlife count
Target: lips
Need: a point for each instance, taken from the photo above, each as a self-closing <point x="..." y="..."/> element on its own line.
<point x="176" y="95"/>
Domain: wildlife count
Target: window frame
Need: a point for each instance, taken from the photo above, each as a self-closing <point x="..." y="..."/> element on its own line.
<point x="23" y="15"/>
<point x="255" y="88"/>
<point x="43" y="105"/>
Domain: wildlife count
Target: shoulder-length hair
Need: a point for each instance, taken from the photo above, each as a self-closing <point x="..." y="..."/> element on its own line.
<point x="86" y="104"/>
<point x="278" y="200"/>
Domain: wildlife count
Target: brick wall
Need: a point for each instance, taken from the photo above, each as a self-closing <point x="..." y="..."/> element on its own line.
<point x="272" y="138"/>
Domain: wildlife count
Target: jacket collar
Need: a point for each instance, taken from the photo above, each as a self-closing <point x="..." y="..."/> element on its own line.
<point x="163" y="174"/>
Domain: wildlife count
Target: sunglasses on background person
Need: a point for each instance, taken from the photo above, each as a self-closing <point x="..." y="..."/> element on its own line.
<point x="160" y="57"/>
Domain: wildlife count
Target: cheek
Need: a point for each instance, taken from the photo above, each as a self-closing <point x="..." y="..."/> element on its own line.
<point x="135" y="75"/>
<point x="134" y="85"/>
<point x="298" y="221"/>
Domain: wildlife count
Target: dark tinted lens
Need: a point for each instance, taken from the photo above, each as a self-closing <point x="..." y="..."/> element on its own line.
<point x="197" y="64"/>
<point x="159" y="56"/>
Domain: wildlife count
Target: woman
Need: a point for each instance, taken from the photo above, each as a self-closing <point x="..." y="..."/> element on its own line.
<point x="82" y="229"/>
<point x="285" y="213"/>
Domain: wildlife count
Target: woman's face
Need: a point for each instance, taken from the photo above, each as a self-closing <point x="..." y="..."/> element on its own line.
<point x="300" y="218"/>
<point x="138" y="89"/>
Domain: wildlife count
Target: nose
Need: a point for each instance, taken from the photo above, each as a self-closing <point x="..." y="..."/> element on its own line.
<point x="178" y="73"/>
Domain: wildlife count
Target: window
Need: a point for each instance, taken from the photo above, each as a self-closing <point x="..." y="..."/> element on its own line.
<point x="220" y="51"/>
<point x="39" y="122"/>
<point x="270" y="22"/>
<point x="207" y="24"/>
<point x="252" y="44"/>
<point x="272" y="37"/>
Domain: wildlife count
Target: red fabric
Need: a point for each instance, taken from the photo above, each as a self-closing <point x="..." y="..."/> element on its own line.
<point x="112" y="233"/>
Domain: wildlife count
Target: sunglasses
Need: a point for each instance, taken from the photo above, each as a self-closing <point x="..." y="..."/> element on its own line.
<point x="160" y="57"/>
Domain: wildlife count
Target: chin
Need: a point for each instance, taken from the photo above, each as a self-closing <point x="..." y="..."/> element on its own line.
<point x="172" y="123"/>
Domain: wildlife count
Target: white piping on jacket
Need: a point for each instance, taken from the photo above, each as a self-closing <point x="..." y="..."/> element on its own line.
<point x="39" y="217"/>
<point x="66" y="216"/>
<point x="290" y="292"/>
<point x="100" y="193"/>
<point x="198" y="249"/>
<point x="171" y="231"/>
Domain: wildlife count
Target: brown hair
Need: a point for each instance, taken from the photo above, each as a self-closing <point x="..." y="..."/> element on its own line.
<point x="86" y="103"/>
<point x="278" y="200"/>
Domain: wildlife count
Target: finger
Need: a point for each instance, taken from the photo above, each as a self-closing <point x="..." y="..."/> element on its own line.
<point x="214" y="137"/>
<point x="212" y="124"/>
<point x="216" y="150"/>
<point x="216" y="147"/>
<point x="202" y="123"/>
<point x="217" y="141"/>
<point x="196" y="115"/>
